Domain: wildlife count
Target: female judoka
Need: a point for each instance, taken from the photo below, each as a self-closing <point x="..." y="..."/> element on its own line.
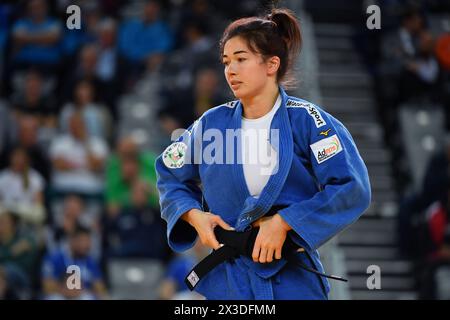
<point x="266" y="160"/>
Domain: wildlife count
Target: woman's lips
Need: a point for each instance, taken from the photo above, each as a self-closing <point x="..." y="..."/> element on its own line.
<point x="235" y="84"/>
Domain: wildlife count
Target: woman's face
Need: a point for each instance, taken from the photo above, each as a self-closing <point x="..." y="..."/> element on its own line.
<point x="246" y="72"/>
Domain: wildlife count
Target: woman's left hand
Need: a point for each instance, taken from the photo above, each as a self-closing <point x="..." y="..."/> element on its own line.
<point x="271" y="236"/>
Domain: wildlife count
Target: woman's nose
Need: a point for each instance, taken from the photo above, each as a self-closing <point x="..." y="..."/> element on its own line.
<point x="231" y="70"/>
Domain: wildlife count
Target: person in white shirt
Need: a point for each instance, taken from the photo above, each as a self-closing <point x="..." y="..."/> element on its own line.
<point x="78" y="160"/>
<point x="22" y="188"/>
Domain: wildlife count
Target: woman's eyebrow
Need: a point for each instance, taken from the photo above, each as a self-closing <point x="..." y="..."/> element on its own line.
<point x="236" y="52"/>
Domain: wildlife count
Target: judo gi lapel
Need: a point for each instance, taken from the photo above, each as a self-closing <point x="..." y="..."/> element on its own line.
<point x="238" y="172"/>
<point x="256" y="208"/>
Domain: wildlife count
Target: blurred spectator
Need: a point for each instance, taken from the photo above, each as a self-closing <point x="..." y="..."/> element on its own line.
<point x="108" y="69"/>
<point x="412" y="25"/>
<point x="197" y="11"/>
<point x="34" y="102"/>
<point x="421" y="76"/>
<point x="5" y="12"/>
<point x="173" y="287"/>
<point x="27" y="138"/>
<point x="148" y="86"/>
<point x="442" y="45"/>
<point x="123" y="169"/>
<point x="78" y="160"/>
<point x="97" y="63"/>
<point x="6" y="292"/>
<point x="22" y="188"/>
<point x="107" y="57"/>
<point x="85" y="68"/>
<point x="74" y="213"/>
<point x="137" y="225"/>
<point x="428" y="271"/>
<point x="55" y="276"/>
<point x="414" y="223"/>
<point x="140" y="38"/>
<point x="96" y="118"/>
<point x="188" y="105"/>
<point x="207" y="91"/>
<point x="74" y="39"/>
<point x="17" y="256"/>
<point x="36" y="38"/>
<point x="199" y="51"/>
<point x="398" y="50"/>
<point x="169" y="121"/>
<point x="400" y="47"/>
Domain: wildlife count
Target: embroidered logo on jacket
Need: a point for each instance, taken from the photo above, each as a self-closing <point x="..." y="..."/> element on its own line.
<point x="312" y="111"/>
<point x="326" y="148"/>
<point x="325" y="133"/>
<point x="173" y="156"/>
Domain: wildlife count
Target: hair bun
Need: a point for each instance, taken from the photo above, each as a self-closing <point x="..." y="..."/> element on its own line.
<point x="288" y="28"/>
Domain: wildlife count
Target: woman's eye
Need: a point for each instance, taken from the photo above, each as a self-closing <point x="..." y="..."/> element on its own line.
<point x="241" y="59"/>
<point x="226" y="63"/>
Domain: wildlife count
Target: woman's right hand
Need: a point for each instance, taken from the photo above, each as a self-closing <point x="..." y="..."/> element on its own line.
<point x="204" y="223"/>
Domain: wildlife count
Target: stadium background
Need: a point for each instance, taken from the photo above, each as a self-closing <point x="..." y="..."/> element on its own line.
<point x="83" y="114"/>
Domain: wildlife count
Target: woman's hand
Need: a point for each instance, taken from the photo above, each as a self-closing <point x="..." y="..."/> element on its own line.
<point x="204" y="223"/>
<point x="271" y="236"/>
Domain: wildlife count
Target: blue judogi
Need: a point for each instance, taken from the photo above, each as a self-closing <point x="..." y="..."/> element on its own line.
<point x="321" y="181"/>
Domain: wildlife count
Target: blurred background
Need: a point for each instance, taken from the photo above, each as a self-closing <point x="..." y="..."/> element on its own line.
<point x="84" y="113"/>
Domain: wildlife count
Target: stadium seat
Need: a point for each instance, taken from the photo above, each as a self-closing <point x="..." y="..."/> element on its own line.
<point x="134" y="279"/>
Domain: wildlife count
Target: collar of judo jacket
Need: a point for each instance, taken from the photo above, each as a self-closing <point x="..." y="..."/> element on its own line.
<point x="255" y="208"/>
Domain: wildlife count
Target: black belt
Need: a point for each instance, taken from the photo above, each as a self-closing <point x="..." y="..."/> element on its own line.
<point x="236" y="244"/>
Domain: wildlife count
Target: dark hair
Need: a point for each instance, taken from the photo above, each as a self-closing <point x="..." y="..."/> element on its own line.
<point x="275" y="34"/>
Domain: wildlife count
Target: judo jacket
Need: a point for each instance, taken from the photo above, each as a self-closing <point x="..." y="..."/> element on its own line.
<point x="320" y="181"/>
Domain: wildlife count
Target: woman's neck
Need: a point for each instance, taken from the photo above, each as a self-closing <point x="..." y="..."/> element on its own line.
<point x="259" y="105"/>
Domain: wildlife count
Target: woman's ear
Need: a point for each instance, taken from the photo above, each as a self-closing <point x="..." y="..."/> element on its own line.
<point x="273" y="64"/>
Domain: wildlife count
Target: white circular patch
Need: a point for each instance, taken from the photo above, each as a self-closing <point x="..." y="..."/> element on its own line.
<point x="173" y="156"/>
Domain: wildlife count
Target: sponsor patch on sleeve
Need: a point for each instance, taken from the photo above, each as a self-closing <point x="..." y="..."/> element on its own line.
<point x="326" y="148"/>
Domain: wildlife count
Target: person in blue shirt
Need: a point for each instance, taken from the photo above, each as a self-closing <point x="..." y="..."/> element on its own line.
<point x="36" y="37"/>
<point x="266" y="160"/>
<point x="58" y="275"/>
<point x="140" y="38"/>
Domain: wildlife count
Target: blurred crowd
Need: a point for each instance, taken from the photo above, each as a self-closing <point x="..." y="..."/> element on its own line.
<point x="409" y="59"/>
<point x="75" y="190"/>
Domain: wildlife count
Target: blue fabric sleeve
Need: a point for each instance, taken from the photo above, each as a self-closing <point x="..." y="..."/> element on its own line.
<point x="179" y="192"/>
<point x="344" y="187"/>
